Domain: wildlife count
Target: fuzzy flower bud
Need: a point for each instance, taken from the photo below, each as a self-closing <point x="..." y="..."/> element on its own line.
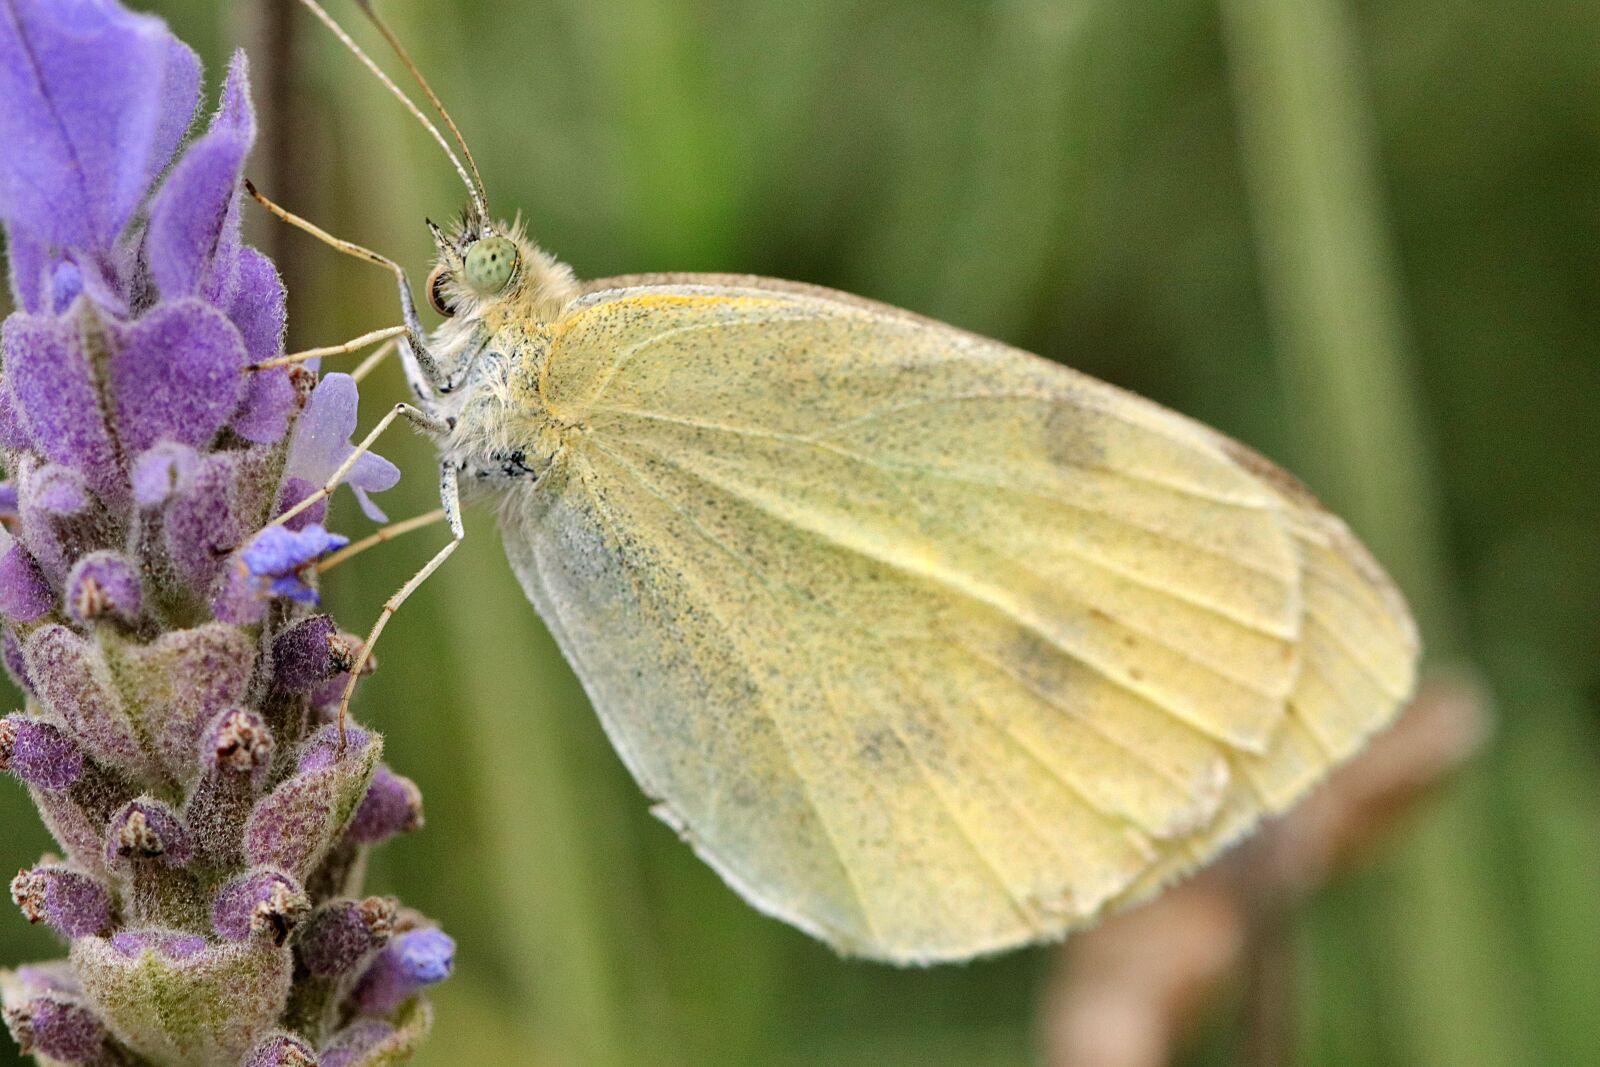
<point x="344" y="933"/>
<point x="263" y="902"/>
<point x="70" y="901"/>
<point x="58" y="1027"/>
<point x="393" y="805"/>
<point x="310" y="652"/>
<point x="24" y="591"/>
<point x="282" y="1050"/>
<point x="148" y="830"/>
<point x="373" y="1042"/>
<point x="216" y="1000"/>
<point x="294" y="826"/>
<point x="104" y="585"/>
<point x="235" y="761"/>
<point x="39" y="753"/>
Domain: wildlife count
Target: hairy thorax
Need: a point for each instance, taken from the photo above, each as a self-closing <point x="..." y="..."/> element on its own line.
<point x="503" y="430"/>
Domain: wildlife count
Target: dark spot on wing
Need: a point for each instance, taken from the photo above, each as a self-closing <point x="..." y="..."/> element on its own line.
<point x="1074" y="436"/>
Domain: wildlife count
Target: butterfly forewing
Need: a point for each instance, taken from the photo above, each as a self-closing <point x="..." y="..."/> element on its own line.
<point x="932" y="647"/>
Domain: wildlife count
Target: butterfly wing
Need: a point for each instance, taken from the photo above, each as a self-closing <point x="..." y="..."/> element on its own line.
<point x="929" y="646"/>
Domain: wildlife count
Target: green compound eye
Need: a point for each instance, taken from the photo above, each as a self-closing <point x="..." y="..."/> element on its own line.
<point x="490" y="264"/>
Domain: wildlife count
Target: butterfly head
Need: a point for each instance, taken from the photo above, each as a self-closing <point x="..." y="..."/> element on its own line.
<point x="492" y="271"/>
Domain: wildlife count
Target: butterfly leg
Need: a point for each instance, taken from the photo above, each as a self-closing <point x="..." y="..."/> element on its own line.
<point x="426" y="374"/>
<point x="355" y="344"/>
<point x="450" y="501"/>
<point x="380" y="536"/>
<point x="422" y="420"/>
<point x="370" y="364"/>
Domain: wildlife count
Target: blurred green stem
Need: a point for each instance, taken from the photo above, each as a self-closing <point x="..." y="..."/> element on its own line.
<point x="1328" y="271"/>
<point x="559" y="858"/>
<point x="1331" y="287"/>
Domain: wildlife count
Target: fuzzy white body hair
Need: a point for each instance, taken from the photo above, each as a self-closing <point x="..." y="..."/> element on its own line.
<point x="494" y="348"/>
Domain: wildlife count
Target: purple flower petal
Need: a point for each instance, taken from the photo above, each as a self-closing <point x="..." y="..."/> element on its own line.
<point x="411" y="961"/>
<point x="66" y="282"/>
<point x="180" y="99"/>
<point x="258" y="312"/>
<point x="60" y="518"/>
<point x="48" y="374"/>
<point x="31" y="264"/>
<point x="162" y="473"/>
<point x="177" y="375"/>
<point x="106" y="277"/>
<point x="322" y="444"/>
<point x="257" y="308"/>
<point x="276" y="556"/>
<point x="90" y="95"/>
<point x="13" y="434"/>
<point x="192" y="245"/>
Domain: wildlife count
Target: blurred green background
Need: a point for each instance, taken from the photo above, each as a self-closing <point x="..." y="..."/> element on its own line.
<point x="1363" y="237"/>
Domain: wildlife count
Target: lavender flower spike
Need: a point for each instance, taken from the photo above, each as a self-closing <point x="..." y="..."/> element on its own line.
<point x="214" y="830"/>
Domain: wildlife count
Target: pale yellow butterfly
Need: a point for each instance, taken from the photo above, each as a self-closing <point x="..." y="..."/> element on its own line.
<point x="927" y="645"/>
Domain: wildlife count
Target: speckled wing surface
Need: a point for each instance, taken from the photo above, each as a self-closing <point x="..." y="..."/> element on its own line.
<point x="929" y="646"/>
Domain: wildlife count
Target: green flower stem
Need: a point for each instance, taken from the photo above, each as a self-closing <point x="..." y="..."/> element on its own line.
<point x="561" y="867"/>
<point x="1331" y="287"/>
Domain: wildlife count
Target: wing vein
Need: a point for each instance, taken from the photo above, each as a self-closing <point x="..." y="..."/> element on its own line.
<point x="891" y="466"/>
<point x="749" y="431"/>
<point x="959" y="585"/>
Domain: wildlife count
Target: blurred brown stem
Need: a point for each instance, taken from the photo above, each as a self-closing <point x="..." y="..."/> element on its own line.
<point x="272" y="28"/>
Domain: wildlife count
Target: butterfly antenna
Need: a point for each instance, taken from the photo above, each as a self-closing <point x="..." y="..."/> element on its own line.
<point x="474" y="188"/>
<point x="389" y="35"/>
